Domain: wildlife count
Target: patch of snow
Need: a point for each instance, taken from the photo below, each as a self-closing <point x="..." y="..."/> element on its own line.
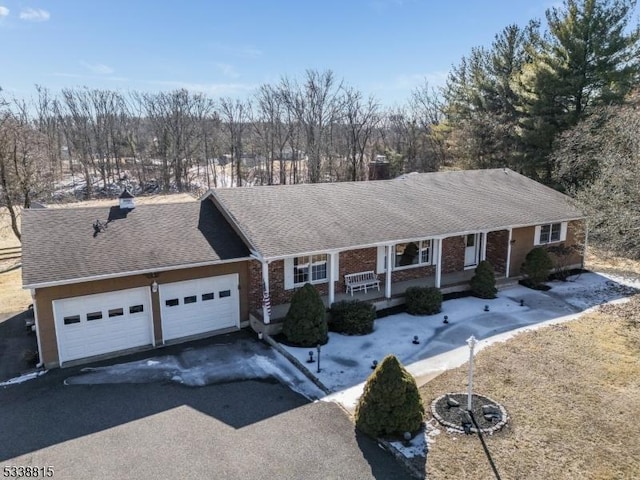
<point x="22" y="378"/>
<point x="416" y="447"/>
<point x="211" y="364"/>
<point x="347" y="360"/>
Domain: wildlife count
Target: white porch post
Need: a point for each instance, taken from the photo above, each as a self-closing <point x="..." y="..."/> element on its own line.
<point x="387" y="278"/>
<point x="438" y="262"/>
<point x="265" y="285"/>
<point x="483" y="242"/>
<point x="332" y="278"/>
<point x="506" y="269"/>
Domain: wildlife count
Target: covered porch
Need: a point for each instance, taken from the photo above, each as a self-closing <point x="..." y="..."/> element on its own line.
<point x="450" y="283"/>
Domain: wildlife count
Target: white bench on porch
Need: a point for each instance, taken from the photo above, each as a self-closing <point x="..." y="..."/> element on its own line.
<point x="354" y="282"/>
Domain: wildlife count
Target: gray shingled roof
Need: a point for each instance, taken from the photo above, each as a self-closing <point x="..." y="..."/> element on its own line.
<point x="59" y="244"/>
<point x="286" y="220"/>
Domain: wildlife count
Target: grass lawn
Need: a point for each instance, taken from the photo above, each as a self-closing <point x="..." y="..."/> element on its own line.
<point x="573" y="395"/>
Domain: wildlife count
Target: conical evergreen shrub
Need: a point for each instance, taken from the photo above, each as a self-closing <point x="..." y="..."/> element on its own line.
<point x="483" y="283"/>
<point x="537" y="266"/>
<point x="391" y="403"/>
<point x="306" y="322"/>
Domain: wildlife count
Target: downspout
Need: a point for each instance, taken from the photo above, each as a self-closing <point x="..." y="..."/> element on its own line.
<point x="37" y="324"/>
<point x="439" y="264"/>
<point x="508" y="265"/>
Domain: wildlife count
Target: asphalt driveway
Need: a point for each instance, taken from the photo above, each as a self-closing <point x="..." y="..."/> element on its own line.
<point x="243" y="430"/>
<point x="17" y="345"/>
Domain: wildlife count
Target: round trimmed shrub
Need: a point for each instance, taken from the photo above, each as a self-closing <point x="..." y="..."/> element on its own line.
<point x="306" y="322"/>
<point x="352" y="317"/>
<point x="390" y="403"/>
<point x="483" y="283"/>
<point x="537" y="266"/>
<point x="423" y="300"/>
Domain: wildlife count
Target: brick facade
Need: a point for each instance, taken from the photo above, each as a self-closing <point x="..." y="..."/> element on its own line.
<point x="354" y="261"/>
<point x="351" y="261"/>
<point x="279" y="295"/>
<point x="453" y="254"/>
<point x="365" y="259"/>
<point x="497" y="249"/>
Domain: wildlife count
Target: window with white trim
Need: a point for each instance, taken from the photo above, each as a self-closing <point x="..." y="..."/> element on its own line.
<point x="310" y="269"/>
<point x="549" y="233"/>
<point x="412" y="254"/>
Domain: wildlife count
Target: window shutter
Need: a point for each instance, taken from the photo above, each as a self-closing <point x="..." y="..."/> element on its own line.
<point x="380" y="265"/>
<point x="536" y="238"/>
<point x="288" y="273"/>
<point x="563" y="231"/>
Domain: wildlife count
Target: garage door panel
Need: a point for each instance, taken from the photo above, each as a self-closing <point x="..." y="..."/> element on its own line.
<point x="121" y="320"/>
<point x="196" y="306"/>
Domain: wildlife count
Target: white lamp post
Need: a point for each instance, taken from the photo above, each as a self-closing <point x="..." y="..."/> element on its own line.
<point x="471" y="341"/>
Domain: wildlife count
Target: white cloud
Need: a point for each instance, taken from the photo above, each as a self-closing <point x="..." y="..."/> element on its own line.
<point x="227" y="70"/>
<point x="34" y="15"/>
<point x="98" y="68"/>
<point x="4" y="11"/>
<point x="246" y="51"/>
<point x="98" y="78"/>
<point x="216" y="89"/>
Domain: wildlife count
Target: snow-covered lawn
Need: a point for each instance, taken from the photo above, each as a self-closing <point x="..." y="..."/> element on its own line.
<point x="346" y="361"/>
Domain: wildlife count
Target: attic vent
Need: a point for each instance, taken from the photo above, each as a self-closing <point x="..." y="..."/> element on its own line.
<point x="126" y="201"/>
<point x="98" y="227"/>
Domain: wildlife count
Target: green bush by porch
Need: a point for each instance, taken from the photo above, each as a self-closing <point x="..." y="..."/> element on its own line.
<point x="352" y="317"/>
<point x="537" y="267"/>
<point x="306" y="323"/>
<point x="423" y="300"/>
<point x="390" y="403"/>
<point x="483" y="283"/>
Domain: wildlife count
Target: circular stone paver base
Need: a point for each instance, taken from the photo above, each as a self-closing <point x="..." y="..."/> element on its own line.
<point x="452" y="416"/>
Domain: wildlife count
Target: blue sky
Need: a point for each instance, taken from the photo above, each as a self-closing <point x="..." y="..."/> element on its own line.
<point x="383" y="47"/>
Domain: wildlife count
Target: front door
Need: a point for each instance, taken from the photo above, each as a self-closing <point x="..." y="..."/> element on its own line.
<point x="471" y="249"/>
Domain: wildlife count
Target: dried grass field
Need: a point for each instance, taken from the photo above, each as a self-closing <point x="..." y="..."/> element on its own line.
<point x="573" y="396"/>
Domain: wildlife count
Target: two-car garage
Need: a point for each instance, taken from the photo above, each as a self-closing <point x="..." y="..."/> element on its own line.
<point x="114" y="321"/>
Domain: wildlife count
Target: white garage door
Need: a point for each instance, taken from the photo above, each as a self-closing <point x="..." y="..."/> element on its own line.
<point x="199" y="306"/>
<point x="102" y="323"/>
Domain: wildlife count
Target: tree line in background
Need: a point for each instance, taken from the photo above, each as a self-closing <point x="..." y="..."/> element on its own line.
<point x="314" y="130"/>
<point x="554" y="102"/>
